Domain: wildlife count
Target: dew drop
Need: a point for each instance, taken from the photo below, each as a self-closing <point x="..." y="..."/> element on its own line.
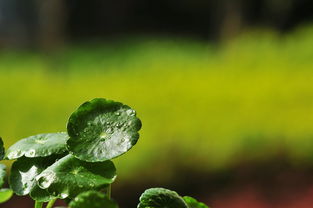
<point x="45" y="179"/>
<point x="109" y="131"/>
<point x="30" y="153"/>
<point x="131" y="112"/>
<point x="64" y="195"/>
<point x="117" y="113"/>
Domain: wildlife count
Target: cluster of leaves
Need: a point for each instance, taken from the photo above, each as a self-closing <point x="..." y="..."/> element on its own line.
<point x="76" y="165"/>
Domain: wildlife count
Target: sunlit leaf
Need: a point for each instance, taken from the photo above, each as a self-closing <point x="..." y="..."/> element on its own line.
<point x="92" y="199"/>
<point x="193" y="203"/>
<point x="40" y="145"/>
<point x="102" y="129"/>
<point x="161" y="198"/>
<point x="5" y="195"/>
<point x="23" y="173"/>
<point x="70" y="176"/>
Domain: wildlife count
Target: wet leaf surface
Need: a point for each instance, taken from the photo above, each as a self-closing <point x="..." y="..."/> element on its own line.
<point x="40" y="145"/>
<point x="70" y="176"/>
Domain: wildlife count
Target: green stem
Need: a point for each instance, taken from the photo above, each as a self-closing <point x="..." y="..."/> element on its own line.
<point x="109" y="191"/>
<point x="38" y="204"/>
<point x="51" y="203"/>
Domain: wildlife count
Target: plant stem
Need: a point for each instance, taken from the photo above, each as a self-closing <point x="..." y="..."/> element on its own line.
<point x="51" y="203"/>
<point x="38" y="204"/>
<point x="109" y="191"/>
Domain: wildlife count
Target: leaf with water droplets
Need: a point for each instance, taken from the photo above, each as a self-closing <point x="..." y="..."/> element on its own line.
<point x="40" y="145"/>
<point x="23" y="173"/>
<point x="160" y="198"/>
<point x="102" y="129"/>
<point x="70" y="176"/>
<point x="2" y="174"/>
<point x="1" y="149"/>
<point x="5" y="195"/>
<point x="92" y="199"/>
<point x="193" y="203"/>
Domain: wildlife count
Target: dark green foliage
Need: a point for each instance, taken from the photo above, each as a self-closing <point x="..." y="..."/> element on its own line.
<point x="161" y="198"/>
<point x="92" y="199"/>
<point x="76" y="165"/>
<point x="1" y="149"/>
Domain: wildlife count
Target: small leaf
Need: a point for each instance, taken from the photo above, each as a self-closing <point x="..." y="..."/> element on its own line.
<point x="40" y="145"/>
<point x="5" y="195"/>
<point x="2" y="174"/>
<point x="23" y="174"/>
<point x="161" y="198"/>
<point x="92" y="199"/>
<point x="69" y="176"/>
<point x="193" y="203"/>
<point x="102" y="129"/>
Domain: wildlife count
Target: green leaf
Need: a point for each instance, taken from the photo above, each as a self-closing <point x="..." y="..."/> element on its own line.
<point x="92" y="199"/>
<point x="5" y="195"/>
<point x="23" y="174"/>
<point x="1" y="149"/>
<point x="161" y="198"/>
<point x="2" y="174"/>
<point x="193" y="203"/>
<point x="40" y="145"/>
<point x="70" y="176"/>
<point x="102" y="129"/>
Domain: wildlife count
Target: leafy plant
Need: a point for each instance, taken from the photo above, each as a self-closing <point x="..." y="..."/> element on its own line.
<point x="76" y="165"/>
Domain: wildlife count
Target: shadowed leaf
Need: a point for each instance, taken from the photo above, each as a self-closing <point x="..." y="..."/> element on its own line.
<point x="69" y="176"/>
<point x="161" y="198"/>
<point x="92" y="199"/>
<point x="23" y="173"/>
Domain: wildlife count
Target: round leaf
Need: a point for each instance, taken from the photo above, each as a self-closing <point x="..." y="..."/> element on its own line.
<point x="2" y="174"/>
<point x="102" y="129"/>
<point x="193" y="203"/>
<point x="92" y="199"/>
<point x="40" y="145"/>
<point x="5" y="195"/>
<point x="161" y="198"/>
<point x="23" y="174"/>
<point x="69" y="176"/>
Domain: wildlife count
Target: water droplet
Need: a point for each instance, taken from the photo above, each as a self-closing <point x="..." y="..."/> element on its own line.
<point x="64" y="195"/>
<point x="117" y="113"/>
<point x="30" y="153"/>
<point x="119" y="125"/>
<point x="131" y="112"/>
<point x="109" y="131"/>
<point x="91" y="184"/>
<point x="45" y="179"/>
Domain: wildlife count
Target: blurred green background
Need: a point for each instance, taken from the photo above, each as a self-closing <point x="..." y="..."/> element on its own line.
<point x="207" y="107"/>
